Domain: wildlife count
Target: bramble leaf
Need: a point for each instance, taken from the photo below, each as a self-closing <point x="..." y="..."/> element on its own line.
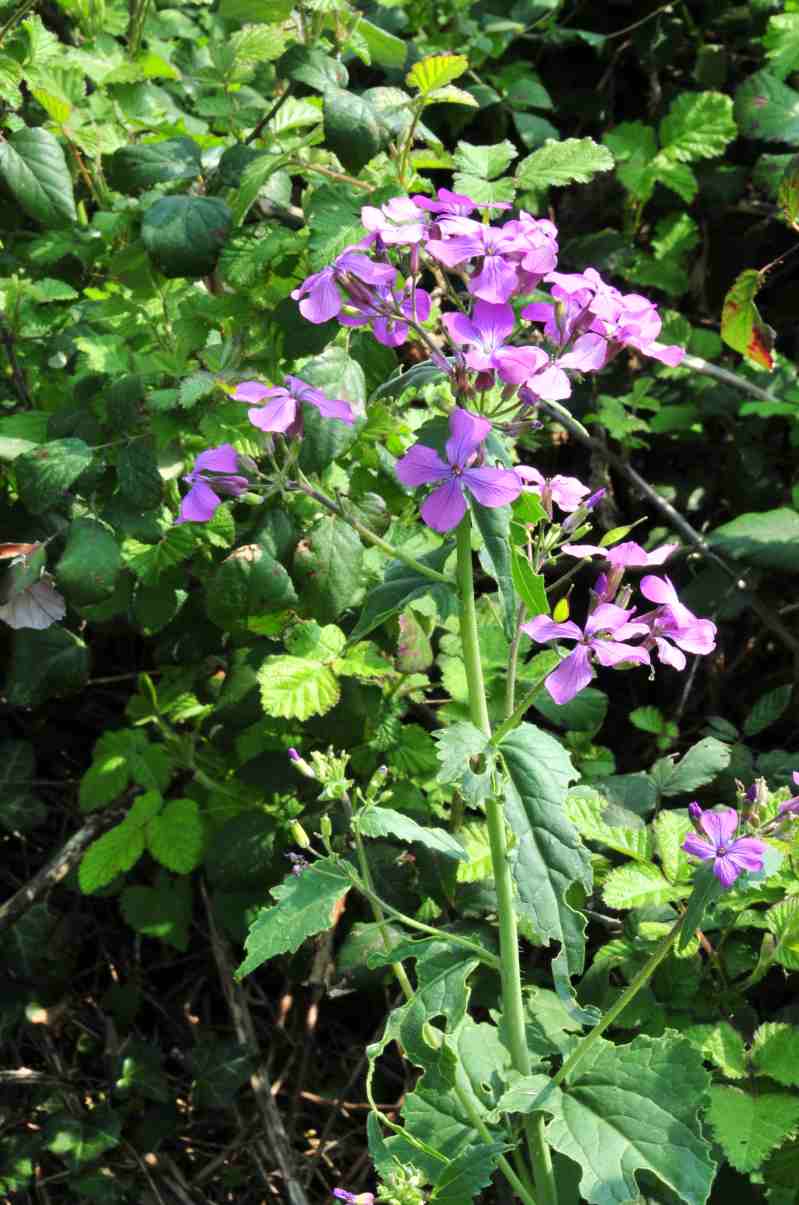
<point x="558" y="163"/>
<point x="748" y="1127"/>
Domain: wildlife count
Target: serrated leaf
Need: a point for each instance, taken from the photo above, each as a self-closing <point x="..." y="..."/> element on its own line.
<point x="306" y="904"/>
<point x="584" y="808"/>
<point x="638" y="885"/>
<point x="742" y="328"/>
<point x="558" y="163"/>
<point x="296" y="687"/>
<point x="184" y="235"/>
<point x="767" y="710"/>
<point x="139" y="479"/>
<point x="150" y="561"/>
<point x="781" y="43"/>
<point x="249" y="583"/>
<point x="386" y="822"/>
<point x="548" y="859"/>
<point x="722" y="1045"/>
<point x="749" y="1127"/>
<point x="460" y="749"/>
<point x="703" y="762"/>
<point x="45" y="472"/>
<point x="400" y="586"/>
<point x="670" y="830"/>
<point x="698" y="125"/>
<point x="87" y="568"/>
<point x="766" y="108"/>
<point x="144" y="164"/>
<point x="34" y="169"/>
<point x="436" y="71"/>
<point x="628" y="1109"/>
<point x="775" y="1052"/>
<point x="120" y="848"/>
<point x="79" y="1140"/>
<point x="236" y="12"/>
<point x="486" y="162"/>
<point x="175" y="836"/>
<point x="163" y="911"/>
<point x="327" y="568"/>
<point x="783" y="923"/>
<point x="45" y="664"/>
<point x="467" y="1174"/>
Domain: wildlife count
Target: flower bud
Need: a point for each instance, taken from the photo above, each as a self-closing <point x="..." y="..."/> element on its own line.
<point x="300" y="764"/>
<point x="299" y="835"/>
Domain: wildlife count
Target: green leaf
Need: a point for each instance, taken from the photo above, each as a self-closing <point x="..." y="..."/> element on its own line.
<point x="638" y="885"/>
<point x="584" y="713"/>
<point x="150" y="561"/>
<point x="78" y="1140"/>
<point x="749" y="1127"/>
<point x="783" y="924"/>
<point x="306" y="904"/>
<point x="742" y="328"/>
<point x="775" y="1052"/>
<point x="722" y="1045"/>
<point x="548" y="858"/>
<point x="485" y="162"/>
<point x="88" y="567"/>
<point x="706" y="891"/>
<point x="530" y="586"/>
<point x="495" y="557"/>
<point x="119" y="757"/>
<point x="386" y="822"/>
<point x="45" y="472"/>
<point x="788" y="192"/>
<point x="34" y="170"/>
<point x="20" y="810"/>
<point x="333" y="214"/>
<point x="352" y="128"/>
<point x="240" y="12"/>
<point x="781" y="43"/>
<point x="698" y="125"/>
<point x="184" y="235"/>
<point x="559" y="163"/>
<point x="175" y="836"/>
<point x="139" y="479"/>
<point x="768" y="539"/>
<point x="415" y="378"/>
<point x="220" y="1069"/>
<point x="120" y="848"/>
<point x="296" y="687"/>
<point x="255" y="180"/>
<point x="436" y="71"/>
<point x="767" y="710"/>
<point x="414" y="754"/>
<point x="45" y="664"/>
<point x="703" y="762"/>
<point x="327" y="566"/>
<point x="767" y="109"/>
<point x="384" y="48"/>
<point x="670" y="830"/>
<point x="460" y="747"/>
<point x="675" y="175"/>
<point x="627" y="1109"/>
<point x="467" y="1174"/>
<point x="249" y="583"/>
<point x="144" y="164"/>
<point x="312" y="67"/>
<point x="400" y="586"/>
<point x="163" y="911"/>
<point x="584" y="807"/>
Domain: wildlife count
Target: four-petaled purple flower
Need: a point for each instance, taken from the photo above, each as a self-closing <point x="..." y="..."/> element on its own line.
<point x="319" y="294"/>
<point x="731" y="857"/>
<point x="446" y="506"/>
<point x="673" y="622"/>
<point x="282" y="410"/>
<point x="485" y="334"/>
<point x="566" y="492"/>
<point x="214" y="473"/>
<point x="603" y="639"/>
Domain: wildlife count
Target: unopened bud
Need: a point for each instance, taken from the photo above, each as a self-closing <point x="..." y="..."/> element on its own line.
<point x="695" y="813"/>
<point x="326" y="828"/>
<point x="301" y="764"/>
<point x="299" y="835"/>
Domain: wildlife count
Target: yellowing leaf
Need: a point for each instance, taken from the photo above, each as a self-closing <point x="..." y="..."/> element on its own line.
<point x="742" y="328"/>
<point x="436" y="71"/>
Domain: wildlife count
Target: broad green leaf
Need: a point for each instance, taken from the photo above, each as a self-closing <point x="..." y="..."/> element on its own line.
<point x="384" y="48"/>
<point x="783" y="924"/>
<point x="698" y="125"/>
<point x="338" y="375"/>
<point x="239" y="12"/>
<point x="742" y="328"/>
<point x="163" y="911"/>
<point x="45" y="472"/>
<point x="436" y="71"/>
<point x="45" y="664"/>
<point x="467" y="1174"/>
<point x="400" y="586"/>
<point x="325" y="440"/>
<point x="530" y="586"/>
<point x="352" y="128"/>
<point x="628" y="1109"/>
<point x="150" y="561"/>
<point x="670" y="830"/>
<point x="706" y="890"/>
<point x="584" y="808"/>
<point x="88" y="567"/>
<point x="465" y="760"/>
<point x="333" y="214"/>
<point x="306" y="904"/>
<point x="120" y="848"/>
<point x="767" y="109"/>
<point x="414" y="753"/>
<point x="722" y="1045"/>
<point x="312" y="67"/>
<point x="767" y="710"/>
<point x="548" y="859"/>
<point x="34" y="170"/>
<point x="184" y="235"/>
<point x="121" y="757"/>
<point x="748" y="1127"/>
<point x="493" y="523"/>
<point x="486" y="162"/>
<point x="175" y="836"/>
<point x="259" y="175"/>
<point x="775" y="1052"/>
<point x="638" y="885"/>
<point x="327" y="567"/>
<point x="79" y="1140"/>
<point x="246" y="585"/>
<point x="147" y="163"/>
<point x="781" y="43"/>
<point x="768" y="539"/>
<point x="675" y="175"/>
<point x="584" y="713"/>
<point x="240" y="855"/>
<point x="364" y="660"/>
<point x="139" y="479"/>
<point x="559" y="163"/>
<point x="703" y="762"/>
<point x="386" y="822"/>
<point x="296" y="687"/>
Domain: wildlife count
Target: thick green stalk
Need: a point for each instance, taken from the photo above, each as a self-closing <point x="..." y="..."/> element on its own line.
<point x="518" y="715"/>
<point x="512" y="1002"/>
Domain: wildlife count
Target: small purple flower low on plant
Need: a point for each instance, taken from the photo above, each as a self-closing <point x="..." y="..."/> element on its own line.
<point x="282" y="408"/>
<point x="214" y="473"/>
<point x="731" y="857"/>
<point x="446" y="506"/>
<point x="361" y="1198"/>
<point x="603" y="639"/>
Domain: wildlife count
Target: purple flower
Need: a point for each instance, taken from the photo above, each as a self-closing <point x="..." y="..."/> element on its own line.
<point x="399" y="222"/>
<point x="672" y="621"/>
<point x="730" y="857"/>
<point x="385" y="312"/>
<point x="200" y="504"/>
<point x="567" y="492"/>
<point x="791" y="805"/>
<point x="319" y="295"/>
<point x="485" y="335"/>
<point x="361" y="1198"/>
<point x="497" y="278"/>
<point x="603" y="639"/>
<point x="628" y="555"/>
<point x="282" y="411"/>
<point x="453" y="204"/>
<point x="446" y="506"/>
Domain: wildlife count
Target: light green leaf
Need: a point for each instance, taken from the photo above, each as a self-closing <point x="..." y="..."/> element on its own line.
<point x="698" y="125"/>
<point x="384" y="48"/>
<point x="238" y="12"/>
<point x="742" y="328"/>
<point x="783" y="924"/>
<point x="120" y="848"/>
<point x="706" y="890"/>
<point x="486" y="162"/>
<point x="559" y="163"/>
<point x="467" y="1174"/>
<point x="530" y="586"/>
<point x="436" y="71"/>
<point x="703" y="762"/>
<point x="775" y="1052"/>
<point x="364" y="660"/>
<point x="639" y="885"/>
<point x="670" y="830"/>
<point x="627" y="1109"/>
<point x="768" y="539"/>
<point x="296" y="687"/>
<point x="163" y="911"/>
<point x="675" y="175"/>
<point x="461" y="746"/>
<point x="79" y="1140"/>
<point x="386" y="822"/>
<point x="722" y="1045"/>
<point x="306" y="904"/>
<point x="150" y="561"/>
<point x="34" y="169"/>
<point x="584" y="807"/>
<point x="766" y="108"/>
<point x="175" y="836"/>
<point x="400" y="586"/>
<point x="45" y="472"/>
<point x="749" y="1127"/>
<point x="548" y="859"/>
<point x="781" y="43"/>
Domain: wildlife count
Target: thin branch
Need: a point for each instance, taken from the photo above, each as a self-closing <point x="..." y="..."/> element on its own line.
<point x="729" y="378"/>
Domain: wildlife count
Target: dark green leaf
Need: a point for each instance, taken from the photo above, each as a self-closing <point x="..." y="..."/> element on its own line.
<point x="327" y="565"/>
<point x="163" y="911"/>
<point x="46" y="472"/>
<point x="402" y="585"/>
<point x="247" y="584"/>
<point x="45" y="665"/>
<point x="768" y="539"/>
<point x="386" y="822"/>
<point x="495" y="556"/>
<point x="34" y="169"/>
<point x="312" y="67"/>
<point x="184" y="235"/>
<point x="352" y="127"/>
<point x="81" y="1140"/>
<point x="766" y="108"/>
<point x="139" y="479"/>
<point x="90" y="562"/>
<point x="148" y="163"/>
<point x="706" y="891"/>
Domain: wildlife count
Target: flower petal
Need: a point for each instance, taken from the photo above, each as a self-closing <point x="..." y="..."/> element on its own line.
<point x="698" y="847"/>
<point x="493" y="321"/>
<point x="252" y="391"/>
<point x="467" y="432"/>
<point x="726" y="871"/>
<point x="747" y="852"/>
<point x="658" y="589"/>
<point x="492" y="487"/>
<point x="420" y="466"/>
<point x="542" y="629"/>
<point x="720" y="826"/>
<point x="518" y="364"/>
<point x="223" y="459"/>
<point x="277" y="415"/>
<point x="445" y="507"/>
<point x="199" y="505"/>
<point x="571" y="676"/>
<point x="614" y="652"/>
<point x="323" y="301"/>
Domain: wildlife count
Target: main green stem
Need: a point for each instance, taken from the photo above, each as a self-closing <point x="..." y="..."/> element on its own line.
<point x="512" y="1002"/>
